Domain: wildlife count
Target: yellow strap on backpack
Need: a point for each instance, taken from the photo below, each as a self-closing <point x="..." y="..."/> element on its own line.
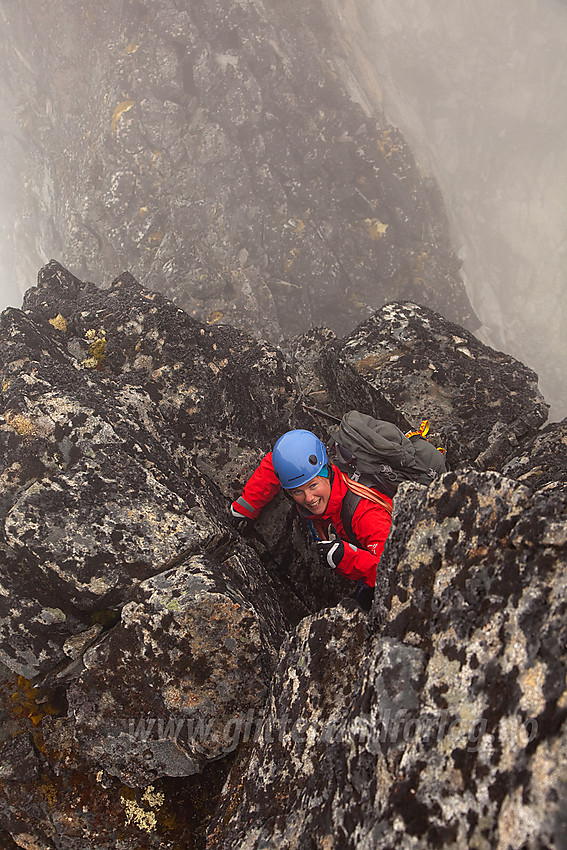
<point x="423" y="431"/>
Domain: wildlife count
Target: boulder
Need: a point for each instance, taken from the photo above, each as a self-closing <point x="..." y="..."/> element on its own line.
<point x="104" y="526"/>
<point x="542" y="461"/>
<point x="481" y="403"/>
<point x="165" y="690"/>
<point x="447" y="724"/>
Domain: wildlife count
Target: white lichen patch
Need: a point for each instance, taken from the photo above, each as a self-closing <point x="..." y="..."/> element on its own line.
<point x="531" y="683"/>
<point x="225" y="60"/>
<point x="513" y="738"/>
<point x="555" y="534"/>
<point x="517" y="823"/>
<point x="485" y="643"/>
<point x="444" y="578"/>
<point x="49" y="616"/>
<point x="421" y="550"/>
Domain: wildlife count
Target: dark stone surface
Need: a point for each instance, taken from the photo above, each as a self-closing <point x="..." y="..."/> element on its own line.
<point x="141" y="633"/>
<point x="164" y="691"/>
<point x="446" y="725"/>
<point x="542" y="461"/>
<point x="213" y="150"/>
<point x="481" y="403"/>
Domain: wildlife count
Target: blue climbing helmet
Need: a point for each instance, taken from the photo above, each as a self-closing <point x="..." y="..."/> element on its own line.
<point x="298" y="457"/>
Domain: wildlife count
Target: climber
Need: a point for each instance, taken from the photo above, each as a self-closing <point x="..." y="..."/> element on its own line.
<point x="299" y="464"/>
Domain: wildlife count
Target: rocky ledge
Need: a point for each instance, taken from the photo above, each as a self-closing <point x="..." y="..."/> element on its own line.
<point x="163" y="678"/>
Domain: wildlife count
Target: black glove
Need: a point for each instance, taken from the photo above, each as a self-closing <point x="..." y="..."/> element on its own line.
<point x="363" y="595"/>
<point x="239" y="522"/>
<point x="331" y="552"/>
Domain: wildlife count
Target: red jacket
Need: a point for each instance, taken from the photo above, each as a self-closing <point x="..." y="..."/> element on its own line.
<point x="370" y="523"/>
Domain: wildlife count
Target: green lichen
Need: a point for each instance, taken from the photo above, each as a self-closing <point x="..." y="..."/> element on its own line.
<point x="105" y="618"/>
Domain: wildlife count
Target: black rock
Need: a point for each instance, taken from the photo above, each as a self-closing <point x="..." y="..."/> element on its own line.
<point x="142" y="633"/>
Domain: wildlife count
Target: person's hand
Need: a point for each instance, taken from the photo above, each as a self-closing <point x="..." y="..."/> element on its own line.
<point x="363" y="595"/>
<point x="331" y="552"/>
<point x="239" y="522"/>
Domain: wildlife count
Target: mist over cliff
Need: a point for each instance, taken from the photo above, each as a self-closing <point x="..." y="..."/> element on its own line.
<point x="478" y="89"/>
<point x="253" y="170"/>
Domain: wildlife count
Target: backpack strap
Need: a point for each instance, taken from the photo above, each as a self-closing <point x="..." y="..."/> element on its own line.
<point x="357" y="491"/>
<point x="423" y="432"/>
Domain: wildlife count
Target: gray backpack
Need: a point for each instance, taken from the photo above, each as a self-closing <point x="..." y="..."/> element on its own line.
<point x="379" y="455"/>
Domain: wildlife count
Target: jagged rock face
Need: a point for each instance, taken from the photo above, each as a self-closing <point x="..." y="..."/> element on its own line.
<point x="99" y="492"/>
<point x="52" y="798"/>
<point x="542" y="463"/>
<point x="126" y="428"/>
<point x="453" y="730"/>
<point x="201" y="378"/>
<point x="192" y="656"/>
<point x="221" y="160"/>
<point x="481" y="402"/>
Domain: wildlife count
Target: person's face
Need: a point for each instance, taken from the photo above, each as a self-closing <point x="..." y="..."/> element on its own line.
<point x="314" y="495"/>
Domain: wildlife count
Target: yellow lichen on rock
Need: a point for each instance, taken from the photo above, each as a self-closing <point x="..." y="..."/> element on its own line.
<point x="59" y="323"/>
<point x="376" y="228"/>
<point x="144" y="819"/>
<point x="97" y="349"/>
<point x="21" y="424"/>
<point x="29" y="702"/>
<point x="387" y="145"/>
<point x="122" y="107"/>
<point x="153" y="798"/>
<point x="141" y="818"/>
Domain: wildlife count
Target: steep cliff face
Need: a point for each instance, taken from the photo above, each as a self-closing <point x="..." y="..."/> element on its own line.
<point x="443" y="723"/>
<point x="212" y="149"/>
<point x="140" y="636"/>
<point x="478" y="91"/>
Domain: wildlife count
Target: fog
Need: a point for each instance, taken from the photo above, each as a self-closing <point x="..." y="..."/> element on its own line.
<point x="479" y="88"/>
